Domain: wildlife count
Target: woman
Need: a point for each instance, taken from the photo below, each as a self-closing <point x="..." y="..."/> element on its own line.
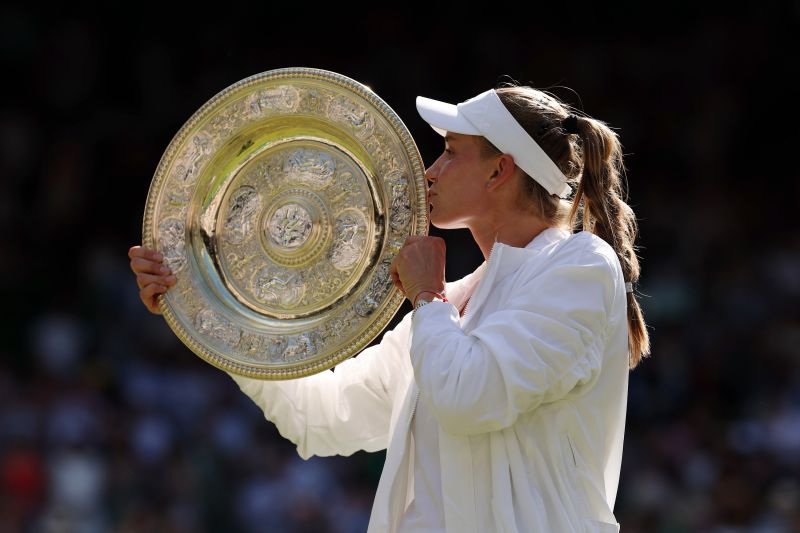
<point x="501" y="398"/>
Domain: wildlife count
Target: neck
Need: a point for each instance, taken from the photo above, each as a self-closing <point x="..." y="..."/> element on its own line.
<point x="517" y="232"/>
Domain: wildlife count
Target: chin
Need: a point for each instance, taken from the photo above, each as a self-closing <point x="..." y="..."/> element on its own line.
<point x="445" y="224"/>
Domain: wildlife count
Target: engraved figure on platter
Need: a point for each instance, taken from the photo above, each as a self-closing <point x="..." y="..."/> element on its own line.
<point x="309" y="167"/>
<point x="310" y="100"/>
<point x="380" y="283"/>
<point x="290" y="226"/>
<point x="337" y="326"/>
<point x="345" y="110"/>
<point x="172" y="242"/>
<point x="179" y="197"/>
<point x="199" y="148"/>
<point x="282" y="98"/>
<point x="213" y="325"/>
<point x="276" y="345"/>
<point x="400" y="208"/>
<point x="252" y="345"/>
<point x="300" y="347"/>
<point x="243" y="204"/>
<point x="348" y="240"/>
<point x="282" y="288"/>
<point x="226" y="121"/>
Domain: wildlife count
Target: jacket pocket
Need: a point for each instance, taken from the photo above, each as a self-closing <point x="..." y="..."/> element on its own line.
<point x="572" y="478"/>
<point x="589" y="500"/>
<point x="569" y="453"/>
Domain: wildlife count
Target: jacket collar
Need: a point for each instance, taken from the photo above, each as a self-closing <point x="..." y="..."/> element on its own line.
<point x="512" y="258"/>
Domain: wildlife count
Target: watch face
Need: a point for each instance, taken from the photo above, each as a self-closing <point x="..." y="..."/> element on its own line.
<point x="422" y="302"/>
<point x="280" y="206"/>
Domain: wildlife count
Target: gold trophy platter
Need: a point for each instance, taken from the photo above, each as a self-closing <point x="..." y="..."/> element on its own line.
<point x="279" y="206"/>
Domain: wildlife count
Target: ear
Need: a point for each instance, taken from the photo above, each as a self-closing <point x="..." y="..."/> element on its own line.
<point x="501" y="171"/>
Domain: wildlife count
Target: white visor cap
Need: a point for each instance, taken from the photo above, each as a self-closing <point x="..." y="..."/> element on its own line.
<point x="486" y="115"/>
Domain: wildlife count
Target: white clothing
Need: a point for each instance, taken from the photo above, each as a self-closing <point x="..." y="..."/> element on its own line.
<point x="425" y="512"/>
<point x="529" y="391"/>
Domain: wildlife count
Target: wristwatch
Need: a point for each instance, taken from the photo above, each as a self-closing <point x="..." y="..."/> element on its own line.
<point x="422" y="302"/>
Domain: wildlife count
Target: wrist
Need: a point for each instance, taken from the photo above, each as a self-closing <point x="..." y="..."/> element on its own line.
<point x="428" y="296"/>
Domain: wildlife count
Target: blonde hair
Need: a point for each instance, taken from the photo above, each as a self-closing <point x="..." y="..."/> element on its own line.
<point x="592" y="162"/>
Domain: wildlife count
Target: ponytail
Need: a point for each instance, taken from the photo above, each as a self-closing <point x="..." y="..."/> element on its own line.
<point x="598" y="201"/>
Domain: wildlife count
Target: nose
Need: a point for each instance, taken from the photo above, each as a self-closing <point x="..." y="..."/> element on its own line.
<point x="431" y="173"/>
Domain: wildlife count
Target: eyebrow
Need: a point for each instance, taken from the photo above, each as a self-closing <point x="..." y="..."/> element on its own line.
<point x="449" y="139"/>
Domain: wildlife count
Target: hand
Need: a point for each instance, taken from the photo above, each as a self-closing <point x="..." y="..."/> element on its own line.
<point x="152" y="277"/>
<point x="419" y="266"/>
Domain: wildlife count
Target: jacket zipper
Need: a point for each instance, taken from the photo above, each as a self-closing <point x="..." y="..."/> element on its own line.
<point x="488" y="261"/>
<point x="414" y="408"/>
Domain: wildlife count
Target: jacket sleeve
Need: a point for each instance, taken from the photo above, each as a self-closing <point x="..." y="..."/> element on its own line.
<point x="340" y="412"/>
<point x="546" y="341"/>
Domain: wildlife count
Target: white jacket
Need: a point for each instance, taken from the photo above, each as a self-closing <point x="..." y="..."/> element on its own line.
<point x="529" y="389"/>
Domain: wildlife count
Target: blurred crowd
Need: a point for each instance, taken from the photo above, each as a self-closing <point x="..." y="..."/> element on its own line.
<point x="108" y="423"/>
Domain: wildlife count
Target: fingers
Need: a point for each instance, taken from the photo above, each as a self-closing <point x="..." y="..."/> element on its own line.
<point x="147" y="261"/>
<point x="144" y="253"/>
<point x="145" y="266"/>
<point x="143" y="280"/>
<point x="149" y="296"/>
<point x="396" y="276"/>
<point x="152" y="277"/>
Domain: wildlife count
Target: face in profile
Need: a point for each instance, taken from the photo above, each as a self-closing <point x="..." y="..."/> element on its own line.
<point x="457" y="182"/>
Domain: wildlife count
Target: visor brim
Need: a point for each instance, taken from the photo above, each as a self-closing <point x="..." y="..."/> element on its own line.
<point x="444" y="117"/>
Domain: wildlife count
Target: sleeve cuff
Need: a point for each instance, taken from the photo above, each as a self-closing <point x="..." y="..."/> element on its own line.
<point x="427" y="310"/>
<point x="431" y="321"/>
